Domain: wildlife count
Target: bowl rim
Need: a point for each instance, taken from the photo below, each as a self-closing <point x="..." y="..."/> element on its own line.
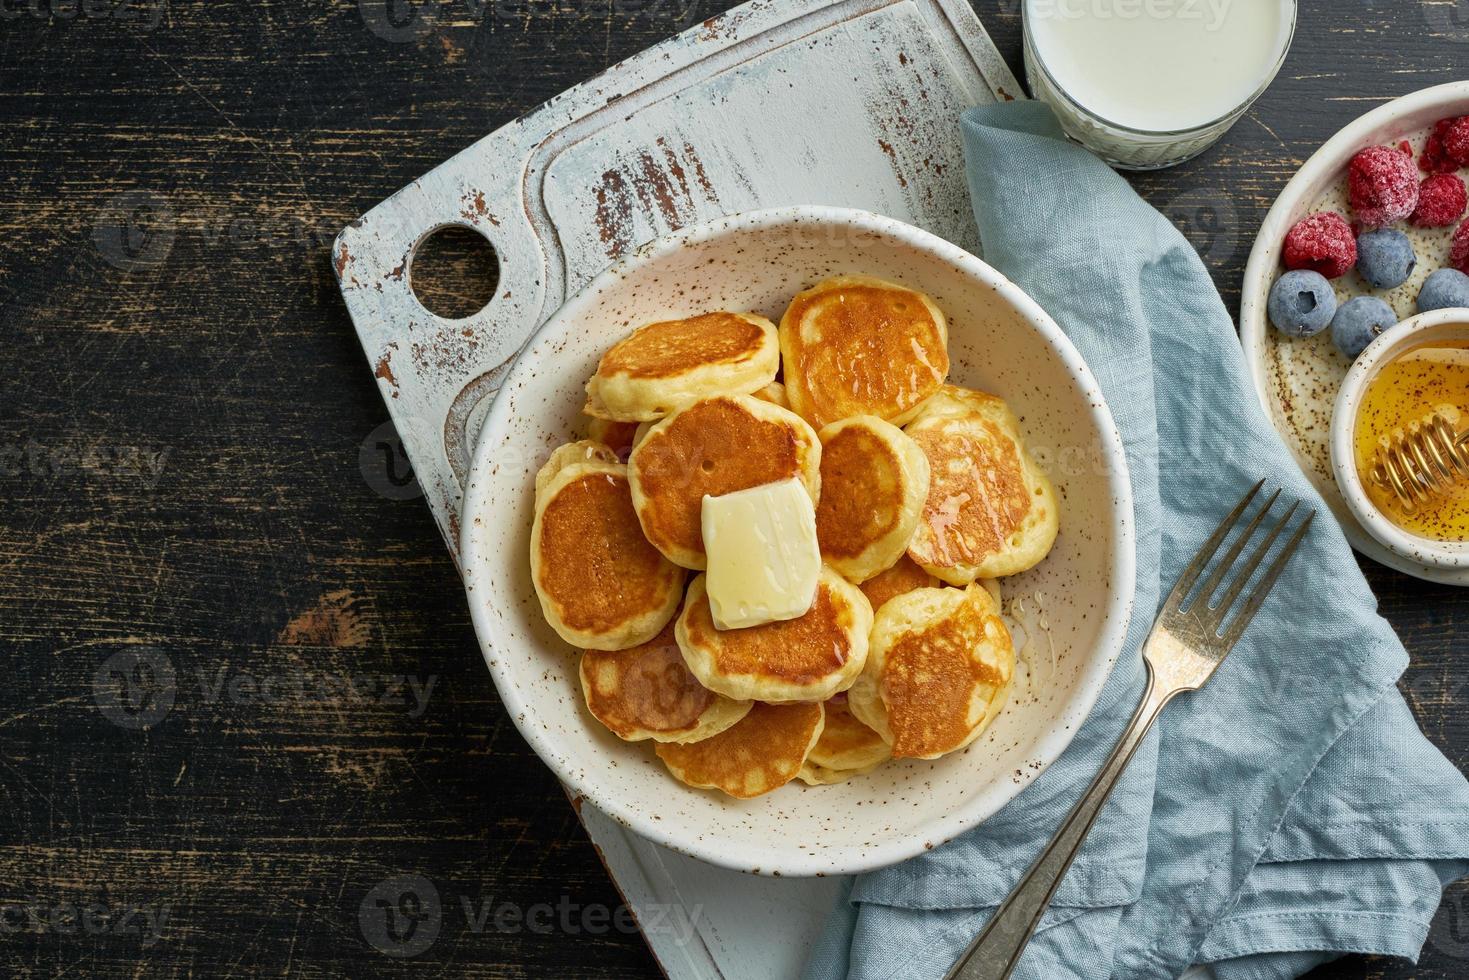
<point x="1328" y="161"/>
<point x="1412" y="332"/>
<point x="1118" y="608"/>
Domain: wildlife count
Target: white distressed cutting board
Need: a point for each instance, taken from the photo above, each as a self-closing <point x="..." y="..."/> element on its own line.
<point x="843" y="102"/>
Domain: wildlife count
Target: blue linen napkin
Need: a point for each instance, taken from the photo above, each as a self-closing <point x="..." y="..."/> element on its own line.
<point x="1290" y="812"/>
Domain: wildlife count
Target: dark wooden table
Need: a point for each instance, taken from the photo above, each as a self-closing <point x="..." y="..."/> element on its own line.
<point x="198" y="511"/>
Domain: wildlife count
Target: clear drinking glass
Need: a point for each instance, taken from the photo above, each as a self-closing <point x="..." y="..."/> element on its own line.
<point x="1149" y="140"/>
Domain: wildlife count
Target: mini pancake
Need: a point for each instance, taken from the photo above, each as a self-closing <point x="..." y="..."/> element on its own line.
<point x="619" y="437"/>
<point x="715" y="447"/>
<point x="854" y="345"/>
<point x="906" y="576"/>
<point x="847" y="748"/>
<point x="585" y="451"/>
<point x="805" y="659"/>
<point x="902" y="578"/>
<point x="991" y="510"/>
<point x="648" y="692"/>
<point x="874" y="483"/>
<point x="602" y="586"/>
<point x="761" y="753"/>
<point x="938" y="672"/>
<point x="662" y="367"/>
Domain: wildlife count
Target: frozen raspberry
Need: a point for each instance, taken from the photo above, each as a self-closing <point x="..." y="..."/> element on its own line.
<point x="1442" y="199"/>
<point x="1383" y="184"/>
<point x="1459" y="251"/>
<point x="1323" y="243"/>
<point x="1456" y="141"/>
<point x="1434" y="160"/>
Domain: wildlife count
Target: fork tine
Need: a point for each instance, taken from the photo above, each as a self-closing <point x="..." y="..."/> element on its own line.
<point x="1243" y="579"/>
<point x="1211" y="584"/>
<point x="1201" y="560"/>
<point x="1257" y="598"/>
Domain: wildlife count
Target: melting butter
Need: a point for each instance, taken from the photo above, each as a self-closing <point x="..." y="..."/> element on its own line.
<point x="764" y="560"/>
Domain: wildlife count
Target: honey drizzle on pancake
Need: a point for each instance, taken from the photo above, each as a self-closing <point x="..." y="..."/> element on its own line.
<point x="977" y="497"/>
<point x="595" y="562"/>
<point x="882" y="342"/>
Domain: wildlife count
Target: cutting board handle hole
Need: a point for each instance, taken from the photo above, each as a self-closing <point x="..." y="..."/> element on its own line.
<point x="454" y="272"/>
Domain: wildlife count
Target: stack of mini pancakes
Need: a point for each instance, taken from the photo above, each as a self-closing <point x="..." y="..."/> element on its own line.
<point x="924" y="496"/>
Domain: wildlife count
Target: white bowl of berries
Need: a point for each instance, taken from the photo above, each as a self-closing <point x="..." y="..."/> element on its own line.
<point x="1372" y="231"/>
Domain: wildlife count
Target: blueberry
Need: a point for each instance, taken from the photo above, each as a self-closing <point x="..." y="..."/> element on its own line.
<point x="1385" y="258"/>
<point x="1302" y="303"/>
<point x="1360" y="321"/>
<point x="1445" y="288"/>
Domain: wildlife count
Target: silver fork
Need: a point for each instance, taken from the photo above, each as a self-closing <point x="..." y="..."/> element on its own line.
<point x="1188" y="642"/>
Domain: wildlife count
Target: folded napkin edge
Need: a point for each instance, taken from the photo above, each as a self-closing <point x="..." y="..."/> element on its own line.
<point x="1440" y="837"/>
<point x="1341" y="932"/>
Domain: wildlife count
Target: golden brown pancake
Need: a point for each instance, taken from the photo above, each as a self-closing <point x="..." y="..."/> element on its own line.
<point x="715" y="447"/>
<point x="805" y="659"/>
<point x="854" y="345"/>
<point x="648" y="692"/>
<point x="991" y="511"/>
<point x="874" y="481"/>
<point x="602" y="586"/>
<point x="761" y="753"/>
<point x="938" y="672"/>
<point x="661" y="367"/>
<point x="902" y="578"/>
<point x="847" y="748"/>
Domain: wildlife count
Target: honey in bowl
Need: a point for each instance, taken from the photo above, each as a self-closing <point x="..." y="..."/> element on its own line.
<point x="1411" y="451"/>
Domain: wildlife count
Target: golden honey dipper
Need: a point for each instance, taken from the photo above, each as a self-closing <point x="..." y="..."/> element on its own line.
<point x="1427" y="460"/>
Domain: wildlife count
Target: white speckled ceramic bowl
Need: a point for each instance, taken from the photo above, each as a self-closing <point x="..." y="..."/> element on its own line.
<point x="1000" y="341"/>
<point x="1440" y="325"/>
<point x="1299" y="380"/>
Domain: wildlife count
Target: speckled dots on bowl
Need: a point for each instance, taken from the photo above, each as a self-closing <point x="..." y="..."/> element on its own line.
<point x="758" y="262"/>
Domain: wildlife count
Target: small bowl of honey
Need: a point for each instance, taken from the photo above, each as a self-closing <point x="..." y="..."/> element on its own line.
<point x="1400" y="439"/>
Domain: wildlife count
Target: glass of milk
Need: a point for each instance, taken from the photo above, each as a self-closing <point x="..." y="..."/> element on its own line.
<point x="1147" y="84"/>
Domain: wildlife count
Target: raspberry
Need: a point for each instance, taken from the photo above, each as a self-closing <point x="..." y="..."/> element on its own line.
<point x="1456" y="141"/>
<point x="1434" y="159"/>
<point x="1323" y="243"/>
<point x="1459" y="251"/>
<point x="1384" y="186"/>
<point x="1441" y="201"/>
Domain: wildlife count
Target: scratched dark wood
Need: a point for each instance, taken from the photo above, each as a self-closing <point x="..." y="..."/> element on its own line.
<point x="246" y="534"/>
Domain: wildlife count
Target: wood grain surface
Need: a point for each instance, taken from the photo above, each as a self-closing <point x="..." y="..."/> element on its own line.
<point x="244" y="714"/>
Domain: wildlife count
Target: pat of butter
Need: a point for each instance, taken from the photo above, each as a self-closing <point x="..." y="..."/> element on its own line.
<point x="764" y="560"/>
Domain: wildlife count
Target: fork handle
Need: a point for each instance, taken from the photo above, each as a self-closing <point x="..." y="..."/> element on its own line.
<point x="995" y="952"/>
